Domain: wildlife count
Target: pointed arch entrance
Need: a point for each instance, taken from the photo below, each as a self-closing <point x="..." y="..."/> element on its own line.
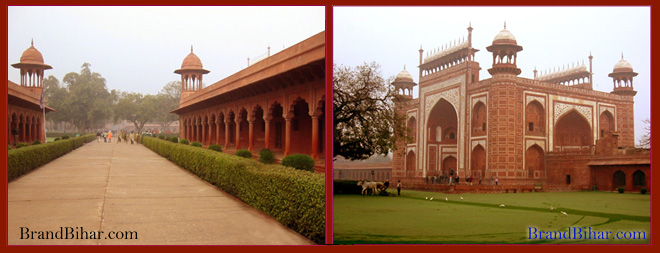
<point x="572" y="133"/>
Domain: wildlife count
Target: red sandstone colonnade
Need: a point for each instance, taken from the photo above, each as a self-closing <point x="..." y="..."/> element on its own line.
<point x="298" y="129"/>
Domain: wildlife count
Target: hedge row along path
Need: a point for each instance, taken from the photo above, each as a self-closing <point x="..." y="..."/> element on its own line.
<point x="119" y="188"/>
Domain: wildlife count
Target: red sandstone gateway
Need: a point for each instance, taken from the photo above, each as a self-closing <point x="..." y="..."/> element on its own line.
<point x="553" y="132"/>
<point x="276" y="103"/>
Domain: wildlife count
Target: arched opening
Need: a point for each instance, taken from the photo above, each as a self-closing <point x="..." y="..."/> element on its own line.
<point x="619" y="179"/>
<point x="243" y="129"/>
<point x="606" y="124"/>
<point x="535" y="117"/>
<point x="412" y="129"/>
<point x="410" y="164"/>
<point x="276" y="137"/>
<point x="478" y="162"/>
<point x="258" y="128"/>
<point x="534" y="160"/>
<point x="231" y="134"/>
<point x="301" y="127"/>
<point x="479" y="119"/>
<point x="573" y="133"/>
<point x="443" y="119"/>
<point x="205" y="130"/>
<point x="321" y="126"/>
<point x="448" y="164"/>
<point x="639" y="178"/>
<point x="13" y="129"/>
<point x="212" y="130"/>
<point x="221" y="129"/>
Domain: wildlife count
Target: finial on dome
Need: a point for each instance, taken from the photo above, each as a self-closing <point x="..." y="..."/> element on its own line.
<point x="504" y="25"/>
<point x="191" y="48"/>
<point x="621" y="55"/>
<point x="32" y="43"/>
<point x="404" y="66"/>
<point x="470" y="24"/>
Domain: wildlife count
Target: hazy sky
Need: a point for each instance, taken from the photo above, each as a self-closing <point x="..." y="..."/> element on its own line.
<point x="138" y="48"/>
<point x="550" y="36"/>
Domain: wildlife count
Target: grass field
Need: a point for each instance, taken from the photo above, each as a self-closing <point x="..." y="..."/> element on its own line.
<point x="479" y="219"/>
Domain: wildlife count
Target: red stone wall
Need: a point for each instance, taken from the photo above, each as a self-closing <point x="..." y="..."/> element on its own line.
<point x="558" y="167"/>
<point x="626" y="124"/>
<point x="603" y="177"/>
<point x="505" y="131"/>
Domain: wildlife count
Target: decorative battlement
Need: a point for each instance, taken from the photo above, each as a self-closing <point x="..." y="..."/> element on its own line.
<point x="447" y="56"/>
<point x="568" y="75"/>
<point x="447" y="49"/>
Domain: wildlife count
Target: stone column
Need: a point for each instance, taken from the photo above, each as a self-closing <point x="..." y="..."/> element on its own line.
<point x="226" y="133"/>
<point x="267" y="134"/>
<point x="251" y="134"/>
<point x="315" y="136"/>
<point x="238" y="132"/>
<point x="217" y="131"/>
<point x="287" y="138"/>
<point x="204" y="128"/>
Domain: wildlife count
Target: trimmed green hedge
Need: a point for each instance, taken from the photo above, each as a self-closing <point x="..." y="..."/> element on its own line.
<point x="266" y="156"/>
<point x="196" y="144"/>
<point x="24" y="160"/>
<point x="215" y="147"/>
<point x="299" y="161"/>
<point x="244" y="153"/>
<point x="295" y="198"/>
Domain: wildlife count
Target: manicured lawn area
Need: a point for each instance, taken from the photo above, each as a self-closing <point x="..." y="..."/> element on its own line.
<point x="479" y="219"/>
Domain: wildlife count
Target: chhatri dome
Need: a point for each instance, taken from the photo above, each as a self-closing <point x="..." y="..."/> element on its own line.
<point x="403" y="76"/>
<point x="504" y="37"/>
<point x="191" y="62"/>
<point x="622" y="66"/>
<point x="32" y="56"/>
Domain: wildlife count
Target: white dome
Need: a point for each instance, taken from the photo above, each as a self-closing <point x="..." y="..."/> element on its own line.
<point x="403" y="76"/>
<point x="504" y="35"/>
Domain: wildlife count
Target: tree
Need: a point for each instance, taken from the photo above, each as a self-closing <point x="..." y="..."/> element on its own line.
<point x="645" y="140"/>
<point x="136" y="108"/>
<point x="365" y="118"/>
<point x="168" y="100"/>
<point x="89" y="103"/>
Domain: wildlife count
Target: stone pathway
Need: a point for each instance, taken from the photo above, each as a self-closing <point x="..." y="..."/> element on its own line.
<point x="126" y="190"/>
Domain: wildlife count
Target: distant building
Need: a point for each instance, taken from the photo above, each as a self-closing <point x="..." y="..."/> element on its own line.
<point x="25" y="118"/>
<point x="276" y="103"/>
<point x="553" y="129"/>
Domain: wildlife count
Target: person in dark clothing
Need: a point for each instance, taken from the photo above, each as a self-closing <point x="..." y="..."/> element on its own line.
<point x="398" y="188"/>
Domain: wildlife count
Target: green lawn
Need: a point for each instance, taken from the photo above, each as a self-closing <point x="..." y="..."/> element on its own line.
<point x="479" y="219"/>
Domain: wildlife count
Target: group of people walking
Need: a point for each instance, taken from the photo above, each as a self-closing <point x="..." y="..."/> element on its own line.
<point x="122" y="135"/>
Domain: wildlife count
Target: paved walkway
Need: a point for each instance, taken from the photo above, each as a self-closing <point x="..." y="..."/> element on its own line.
<point x="123" y="189"/>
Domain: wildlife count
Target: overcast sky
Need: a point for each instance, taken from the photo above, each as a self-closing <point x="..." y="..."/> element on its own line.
<point x="550" y="36"/>
<point x="138" y="48"/>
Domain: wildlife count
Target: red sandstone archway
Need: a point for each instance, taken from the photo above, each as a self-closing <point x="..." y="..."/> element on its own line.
<point x="573" y="132"/>
<point x="534" y="160"/>
<point x="243" y="130"/>
<point x="231" y="130"/>
<point x="14" y="126"/>
<point x="276" y="125"/>
<point x="478" y="162"/>
<point x="479" y="126"/>
<point x="301" y="127"/>
<point x="639" y="179"/>
<point x="320" y="121"/>
<point x="606" y="124"/>
<point x="619" y="179"/>
<point x="535" y="119"/>
<point x="258" y="128"/>
<point x="212" y="130"/>
<point x="412" y="129"/>
<point x="410" y="164"/>
<point x="221" y="129"/>
<point x="447" y="165"/>
<point x="443" y="118"/>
